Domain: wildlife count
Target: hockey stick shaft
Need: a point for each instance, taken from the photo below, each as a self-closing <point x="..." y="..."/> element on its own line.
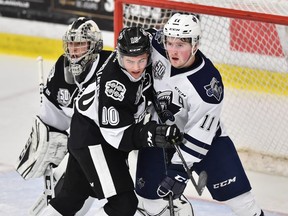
<point x="171" y="205"/>
<point x="41" y="77"/>
<point x="202" y="176"/>
<point x="49" y="184"/>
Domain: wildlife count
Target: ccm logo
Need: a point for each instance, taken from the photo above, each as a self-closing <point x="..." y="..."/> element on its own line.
<point x="224" y="183"/>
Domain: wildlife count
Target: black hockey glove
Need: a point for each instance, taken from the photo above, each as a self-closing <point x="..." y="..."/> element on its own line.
<point x="174" y="183"/>
<point x="155" y="135"/>
<point x="167" y="135"/>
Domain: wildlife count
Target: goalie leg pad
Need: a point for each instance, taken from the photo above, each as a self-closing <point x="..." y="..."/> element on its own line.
<point x="43" y="147"/>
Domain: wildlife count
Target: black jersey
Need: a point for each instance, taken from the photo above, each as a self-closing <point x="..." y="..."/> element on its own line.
<point x="113" y="103"/>
<point x="58" y="102"/>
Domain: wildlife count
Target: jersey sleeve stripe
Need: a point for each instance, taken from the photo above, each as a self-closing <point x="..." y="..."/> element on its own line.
<point x="196" y="142"/>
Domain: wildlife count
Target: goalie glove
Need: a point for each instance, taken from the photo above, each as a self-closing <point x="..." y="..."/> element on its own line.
<point x="43" y="147"/>
<point x="174" y="183"/>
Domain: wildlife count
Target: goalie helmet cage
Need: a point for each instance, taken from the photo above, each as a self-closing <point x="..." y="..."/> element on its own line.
<point x="248" y="43"/>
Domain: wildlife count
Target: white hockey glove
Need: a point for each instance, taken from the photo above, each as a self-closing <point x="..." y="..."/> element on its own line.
<point x="43" y="147"/>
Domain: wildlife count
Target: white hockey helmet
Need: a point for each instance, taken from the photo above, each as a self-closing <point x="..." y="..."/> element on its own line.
<point x="183" y="26"/>
<point x="82" y="30"/>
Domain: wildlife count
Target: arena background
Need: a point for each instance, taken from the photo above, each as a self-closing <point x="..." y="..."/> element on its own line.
<point x="31" y="40"/>
<point x="33" y="28"/>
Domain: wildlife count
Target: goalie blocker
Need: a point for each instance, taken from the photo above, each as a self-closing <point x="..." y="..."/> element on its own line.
<point x="45" y="146"/>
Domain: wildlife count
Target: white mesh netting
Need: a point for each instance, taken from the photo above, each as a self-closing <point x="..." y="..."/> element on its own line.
<point x="252" y="57"/>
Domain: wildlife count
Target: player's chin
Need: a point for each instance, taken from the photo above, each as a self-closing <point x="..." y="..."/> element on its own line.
<point x="176" y="64"/>
<point x="136" y="75"/>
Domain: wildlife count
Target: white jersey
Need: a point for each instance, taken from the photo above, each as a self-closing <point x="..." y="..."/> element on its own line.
<point x="191" y="98"/>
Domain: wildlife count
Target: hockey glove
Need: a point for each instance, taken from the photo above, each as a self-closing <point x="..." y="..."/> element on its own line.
<point x="174" y="183"/>
<point x="166" y="136"/>
<point x="168" y="133"/>
<point x="43" y="147"/>
<point x="155" y="135"/>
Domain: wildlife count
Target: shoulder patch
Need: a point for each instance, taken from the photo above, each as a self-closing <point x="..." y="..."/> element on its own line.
<point x="214" y="89"/>
<point x="158" y="70"/>
<point x="115" y="90"/>
<point x="63" y="97"/>
<point x="208" y="84"/>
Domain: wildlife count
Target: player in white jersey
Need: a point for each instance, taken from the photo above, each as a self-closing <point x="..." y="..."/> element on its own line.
<point x="189" y="92"/>
<point x="107" y="124"/>
<point x="71" y="74"/>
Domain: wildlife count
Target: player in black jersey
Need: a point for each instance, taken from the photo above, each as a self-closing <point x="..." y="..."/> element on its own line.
<point x="189" y="92"/>
<point x="107" y="124"/>
<point x="71" y="74"/>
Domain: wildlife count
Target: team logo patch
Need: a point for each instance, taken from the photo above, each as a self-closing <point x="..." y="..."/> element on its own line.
<point x="158" y="70"/>
<point x="63" y="97"/>
<point x="214" y="89"/>
<point x="115" y="90"/>
<point x="134" y="40"/>
<point x="164" y="106"/>
<point x="141" y="183"/>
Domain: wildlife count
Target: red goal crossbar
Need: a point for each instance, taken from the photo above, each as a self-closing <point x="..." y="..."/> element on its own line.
<point x="196" y="8"/>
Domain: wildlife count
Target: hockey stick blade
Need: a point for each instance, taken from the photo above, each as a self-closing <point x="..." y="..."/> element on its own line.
<point x="202" y="180"/>
<point x="44" y="199"/>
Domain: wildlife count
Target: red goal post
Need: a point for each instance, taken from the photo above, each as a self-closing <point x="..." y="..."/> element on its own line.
<point x="249" y="45"/>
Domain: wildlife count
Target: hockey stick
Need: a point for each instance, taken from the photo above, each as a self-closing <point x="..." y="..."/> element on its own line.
<point x="48" y="175"/>
<point x="171" y="205"/>
<point x="41" y="77"/>
<point x="48" y="194"/>
<point x="202" y="180"/>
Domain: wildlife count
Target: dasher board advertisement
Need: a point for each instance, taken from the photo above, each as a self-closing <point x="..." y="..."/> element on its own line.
<point x="60" y="11"/>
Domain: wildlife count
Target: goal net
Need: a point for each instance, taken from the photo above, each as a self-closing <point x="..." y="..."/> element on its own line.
<point x="248" y="42"/>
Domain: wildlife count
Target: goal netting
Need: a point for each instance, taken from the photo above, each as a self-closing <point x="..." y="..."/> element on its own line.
<point x="248" y="42"/>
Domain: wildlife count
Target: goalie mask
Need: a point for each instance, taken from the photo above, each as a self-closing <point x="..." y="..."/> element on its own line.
<point x="185" y="27"/>
<point x="81" y="42"/>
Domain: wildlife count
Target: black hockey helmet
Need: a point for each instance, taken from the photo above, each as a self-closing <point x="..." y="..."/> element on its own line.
<point x="133" y="41"/>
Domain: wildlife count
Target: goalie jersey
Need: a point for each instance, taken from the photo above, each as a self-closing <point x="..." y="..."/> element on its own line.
<point x="109" y="108"/>
<point x="191" y="98"/>
<point x="59" y="96"/>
